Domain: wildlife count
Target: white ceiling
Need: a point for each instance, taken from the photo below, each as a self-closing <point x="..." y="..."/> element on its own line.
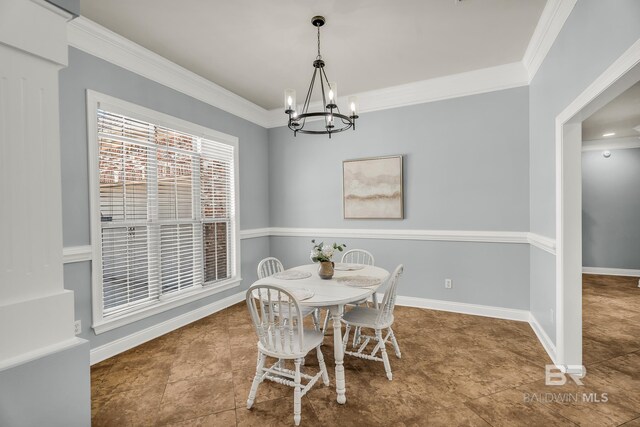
<point x="257" y="48"/>
<point x="620" y="116"/>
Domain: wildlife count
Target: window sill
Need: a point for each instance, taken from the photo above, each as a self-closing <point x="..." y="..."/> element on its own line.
<point x="164" y="305"/>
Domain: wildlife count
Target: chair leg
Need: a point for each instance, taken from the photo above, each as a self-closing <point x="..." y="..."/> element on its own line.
<point x="256" y="381"/>
<point x="345" y="339"/>
<point x="297" y="394"/>
<point x="396" y="347"/>
<point x="323" y="367"/>
<point x="316" y="320"/>
<point x="356" y="336"/>
<point x="326" y="321"/>
<point x="385" y="357"/>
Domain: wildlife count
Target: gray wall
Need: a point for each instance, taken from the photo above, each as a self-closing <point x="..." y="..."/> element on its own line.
<point x="595" y="34"/>
<point x="611" y="209"/>
<point x="466" y="167"/>
<point x="88" y="72"/>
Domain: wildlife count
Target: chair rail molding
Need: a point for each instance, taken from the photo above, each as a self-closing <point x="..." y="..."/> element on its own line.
<point x="539" y="241"/>
<point x="400" y="234"/>
<point x="552" y="19"/>
<point x="77" y="253"/>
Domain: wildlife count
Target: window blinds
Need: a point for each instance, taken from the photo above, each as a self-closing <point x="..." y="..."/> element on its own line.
<point x="166" y="210"/>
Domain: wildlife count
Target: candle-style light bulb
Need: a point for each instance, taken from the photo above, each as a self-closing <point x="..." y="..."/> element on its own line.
<point x="353" y="105"/>
<point x="289" y="100"/>
<point x="333" y="92"/>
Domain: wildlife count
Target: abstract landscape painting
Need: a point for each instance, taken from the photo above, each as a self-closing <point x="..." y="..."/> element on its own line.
<point x="372" y="188"/>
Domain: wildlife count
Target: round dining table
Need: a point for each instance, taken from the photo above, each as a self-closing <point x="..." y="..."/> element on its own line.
<point x="333" y="294"/>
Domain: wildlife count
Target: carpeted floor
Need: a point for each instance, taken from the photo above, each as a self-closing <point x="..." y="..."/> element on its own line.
<point x="455" y="370"/>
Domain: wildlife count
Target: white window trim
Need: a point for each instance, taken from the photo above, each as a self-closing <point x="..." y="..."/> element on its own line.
<point x="97" y="100"/>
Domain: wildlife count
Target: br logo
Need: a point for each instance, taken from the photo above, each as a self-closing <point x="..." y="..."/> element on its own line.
<point x="554" y="376"/>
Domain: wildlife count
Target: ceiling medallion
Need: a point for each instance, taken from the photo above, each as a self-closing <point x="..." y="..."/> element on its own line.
<point x="331" y="119"/>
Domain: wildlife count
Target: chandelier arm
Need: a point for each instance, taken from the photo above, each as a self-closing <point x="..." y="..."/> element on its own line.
<point x="307" y="100"/>
<point x="324" y="100"/>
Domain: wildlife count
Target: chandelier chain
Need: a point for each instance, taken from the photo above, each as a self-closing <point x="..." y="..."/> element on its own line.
<point x="319" y="56"/>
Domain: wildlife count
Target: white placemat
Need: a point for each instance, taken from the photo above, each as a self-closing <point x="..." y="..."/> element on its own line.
<point x="302" y="294"/>
<point x="359" y="281"/>
<point x="292" y="275"/>
<point x="348" y="267"/>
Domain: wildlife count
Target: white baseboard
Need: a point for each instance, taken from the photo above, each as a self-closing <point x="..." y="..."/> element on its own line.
<point x="611" y="271"/>
<point x="463" y="308"/>
<point x="106" y="351"/>
<point x="544" y="339"/>
<point x="486" y="311"/>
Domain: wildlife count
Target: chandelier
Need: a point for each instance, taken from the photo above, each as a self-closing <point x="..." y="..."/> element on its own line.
<point x="328" y="119"/>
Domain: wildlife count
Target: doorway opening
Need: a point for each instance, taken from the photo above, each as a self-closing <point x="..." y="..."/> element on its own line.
<point x="618" y="78"/>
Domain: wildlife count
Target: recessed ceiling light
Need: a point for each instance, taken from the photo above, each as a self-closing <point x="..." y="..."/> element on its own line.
<point x="608" y="134"/>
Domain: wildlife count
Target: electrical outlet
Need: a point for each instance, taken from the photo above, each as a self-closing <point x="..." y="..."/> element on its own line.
<point x="448" y="284"/>
<point x="78" y="327"/>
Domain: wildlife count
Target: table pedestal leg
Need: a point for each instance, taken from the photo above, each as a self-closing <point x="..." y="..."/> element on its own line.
<point x="336" y="315"/>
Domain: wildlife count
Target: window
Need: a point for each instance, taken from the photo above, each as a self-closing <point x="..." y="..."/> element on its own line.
<point x="165" y="205"/>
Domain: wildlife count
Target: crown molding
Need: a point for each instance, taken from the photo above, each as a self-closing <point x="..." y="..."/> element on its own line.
<point x="485" y="80"/>
<point x="96" y="40"/>
<point x="611" y="144"/>
<point x="553" y="17"/>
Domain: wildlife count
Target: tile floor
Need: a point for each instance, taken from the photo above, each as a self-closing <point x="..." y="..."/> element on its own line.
<point x="455" y="370"/>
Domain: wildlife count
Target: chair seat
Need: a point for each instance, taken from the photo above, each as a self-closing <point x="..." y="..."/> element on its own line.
<point x="365" y="317"/>
<point x="311" y="339"/>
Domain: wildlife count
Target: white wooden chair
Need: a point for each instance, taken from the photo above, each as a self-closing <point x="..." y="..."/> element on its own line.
<point x="355" y="256"/>
<point x="284" y="341"/>
<point x="270" y="266"/>
<point x="377" y="319"/>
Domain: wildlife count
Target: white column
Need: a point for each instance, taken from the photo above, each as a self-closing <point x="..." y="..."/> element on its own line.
<point x="36" y="312"/>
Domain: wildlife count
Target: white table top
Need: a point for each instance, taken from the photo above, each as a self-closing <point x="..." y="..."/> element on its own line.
<point x="330" y="292"/>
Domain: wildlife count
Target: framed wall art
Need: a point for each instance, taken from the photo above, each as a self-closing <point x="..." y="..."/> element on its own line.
<point x="372" y="188"/>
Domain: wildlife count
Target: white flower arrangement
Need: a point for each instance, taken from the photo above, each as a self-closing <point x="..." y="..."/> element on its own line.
<point x="322" y="252"/>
